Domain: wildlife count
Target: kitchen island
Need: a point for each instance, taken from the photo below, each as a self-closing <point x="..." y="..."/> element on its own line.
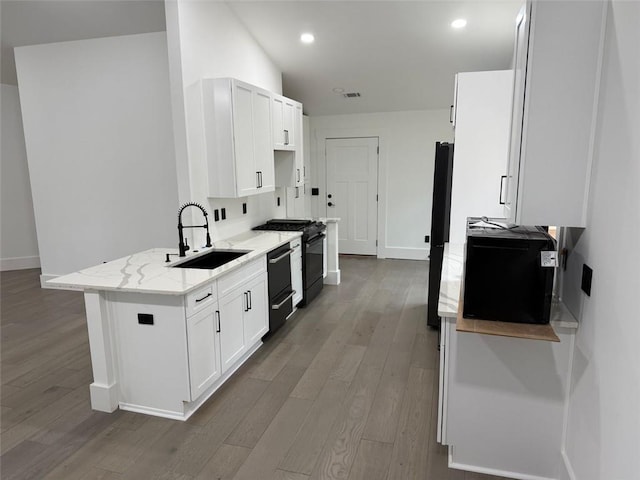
<point x="502" y="400"/>
<point x="163" y="339"/>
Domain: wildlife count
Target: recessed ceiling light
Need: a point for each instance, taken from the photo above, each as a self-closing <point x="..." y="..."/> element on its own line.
<point x="459" y="23"/>
<point x="338" y="90"/>
<point x="307" y="38"/>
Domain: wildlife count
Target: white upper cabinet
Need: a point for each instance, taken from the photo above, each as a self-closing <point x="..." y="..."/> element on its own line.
<point x="286" y="130"/>
<point x="481" y="147"/>
<point x="557" y="63"/>
<point x="288" y="141"/>
<point x="238" y="142"/>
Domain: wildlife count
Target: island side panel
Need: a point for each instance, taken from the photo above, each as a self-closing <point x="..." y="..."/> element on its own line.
<point x="333" y="265"/>
<point x="104" y="389"/>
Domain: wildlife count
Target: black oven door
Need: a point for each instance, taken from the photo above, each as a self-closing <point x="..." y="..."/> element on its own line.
<point x="279" y="271"/>
<point x="313" y="260"/>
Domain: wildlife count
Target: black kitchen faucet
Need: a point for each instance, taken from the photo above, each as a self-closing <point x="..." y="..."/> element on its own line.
<point x="182" y="245"/>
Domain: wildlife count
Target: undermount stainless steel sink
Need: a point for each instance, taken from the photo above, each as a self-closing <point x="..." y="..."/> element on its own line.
<point x="213" y="259"/>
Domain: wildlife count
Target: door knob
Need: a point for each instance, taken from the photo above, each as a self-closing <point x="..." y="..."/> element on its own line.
<point x="330" y="204"/>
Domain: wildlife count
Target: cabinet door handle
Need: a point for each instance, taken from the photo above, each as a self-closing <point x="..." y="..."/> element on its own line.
<point x="246" y="302"/>
<point x="451" y="114"/>
<point x="260" y="179"/>
<point x="286" y="137"/>
<point x="198" y="300"/>
<point x="298" y="174"/>
<point x="218" y="319"/>
<point x="297" y="192"/>
<point x="250" y="300"/>
<point x="257" y="179"/>
<point x="502" y="178"/>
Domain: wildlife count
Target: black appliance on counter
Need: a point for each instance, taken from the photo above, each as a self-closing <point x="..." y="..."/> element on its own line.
<point x="312" y="252"/>
<point x="280" y="290"/>
<point x="440" y="216"/>
<point x="508" y="273"/>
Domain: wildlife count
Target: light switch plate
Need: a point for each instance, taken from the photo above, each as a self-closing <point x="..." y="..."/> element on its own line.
<point x="549" y="258"/>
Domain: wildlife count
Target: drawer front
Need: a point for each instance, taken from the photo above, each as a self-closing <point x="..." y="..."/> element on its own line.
<point x="201" y="298"/>
<point x="234" y="279"/>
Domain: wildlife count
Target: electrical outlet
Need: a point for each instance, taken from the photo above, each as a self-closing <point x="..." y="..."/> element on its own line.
<point x="315" y="191"/>
<point x="223" y="213"/>
<point x="587" y="275"/>
<point x="426" y="239"/>
<point x="216" y="215"/>
<point x="244" y="208"/>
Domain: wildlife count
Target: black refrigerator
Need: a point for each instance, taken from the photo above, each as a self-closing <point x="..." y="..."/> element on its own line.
<point x="440" y="215"/>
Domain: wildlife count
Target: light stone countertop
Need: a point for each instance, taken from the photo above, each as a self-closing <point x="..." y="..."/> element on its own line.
<point x="451" y="282"/>
<point x="147" y="272"/>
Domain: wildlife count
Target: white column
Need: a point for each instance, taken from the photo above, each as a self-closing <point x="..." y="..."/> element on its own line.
<point x="333" y="265"/>
<point x="104" y="389"/>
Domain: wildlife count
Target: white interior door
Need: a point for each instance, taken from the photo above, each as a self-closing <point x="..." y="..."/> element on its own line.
<point x="352" y="189"/>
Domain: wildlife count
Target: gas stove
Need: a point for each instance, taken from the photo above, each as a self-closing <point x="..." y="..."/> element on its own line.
<point x="309" y="228"/>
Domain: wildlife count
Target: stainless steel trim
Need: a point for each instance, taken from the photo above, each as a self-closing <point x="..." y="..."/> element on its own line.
<point x="276" y="307"/>
<point x="277" y="259"/>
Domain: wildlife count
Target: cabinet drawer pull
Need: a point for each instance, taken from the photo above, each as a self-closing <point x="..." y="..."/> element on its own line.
<point x="246" y="301"/>
<point x="218" y="319"/>
<point x="276" y="307"/>
<point x="277" y="259"/>
<point x="198" y="300"/>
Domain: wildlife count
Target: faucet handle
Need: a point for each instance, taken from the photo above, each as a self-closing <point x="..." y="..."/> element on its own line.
<point x="186" y="244"/>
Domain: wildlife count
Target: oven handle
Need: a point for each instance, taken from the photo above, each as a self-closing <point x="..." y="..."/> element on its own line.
<point x="276" y="307"/>
<point x="277" y="259"/>
<point x="318" y="237"/>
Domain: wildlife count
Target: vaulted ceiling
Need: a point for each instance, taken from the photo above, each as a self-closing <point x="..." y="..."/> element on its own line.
<point x="399" y="55"/>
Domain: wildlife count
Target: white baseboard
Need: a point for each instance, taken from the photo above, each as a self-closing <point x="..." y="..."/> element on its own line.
<point x="491" y="471"/>
<point x="402" y="253"/>
<point x="332" y="278"/>
<point x="19" y="263"/>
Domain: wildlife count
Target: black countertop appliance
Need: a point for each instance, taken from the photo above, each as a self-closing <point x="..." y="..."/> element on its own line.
<point x="508" y="273"/>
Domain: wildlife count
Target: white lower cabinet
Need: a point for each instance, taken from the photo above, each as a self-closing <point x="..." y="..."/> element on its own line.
<point x="173" y="352"/>
<point x="502" y="396"/>
<point x="256" y="318"/>
<point x="203" y="341"/>
<point x="243" y="320"/>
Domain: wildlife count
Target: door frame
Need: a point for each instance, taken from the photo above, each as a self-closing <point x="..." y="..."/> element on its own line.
<point x="319" y="142"/>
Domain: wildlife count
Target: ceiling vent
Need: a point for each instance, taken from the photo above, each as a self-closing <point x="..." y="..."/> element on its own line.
<point x="351" y="95"/>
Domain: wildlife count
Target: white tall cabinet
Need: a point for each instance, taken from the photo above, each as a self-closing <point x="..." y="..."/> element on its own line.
<point x="557" y="64"/>
<point x="238" y="138"/>
<point x="482" y="113"/>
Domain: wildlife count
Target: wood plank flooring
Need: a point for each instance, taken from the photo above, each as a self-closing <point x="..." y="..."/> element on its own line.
<point x="346" y="390"/>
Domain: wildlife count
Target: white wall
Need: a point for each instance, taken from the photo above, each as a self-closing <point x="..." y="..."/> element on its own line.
<point x="206" y="40"/>
<point x="97" y="124"/>
<point x="405" y="180"/>
<point x="18" y="241"/>
<point x="603" y="437"/>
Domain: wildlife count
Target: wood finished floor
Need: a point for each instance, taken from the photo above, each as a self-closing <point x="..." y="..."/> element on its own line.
<point x="347" y="389"/>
